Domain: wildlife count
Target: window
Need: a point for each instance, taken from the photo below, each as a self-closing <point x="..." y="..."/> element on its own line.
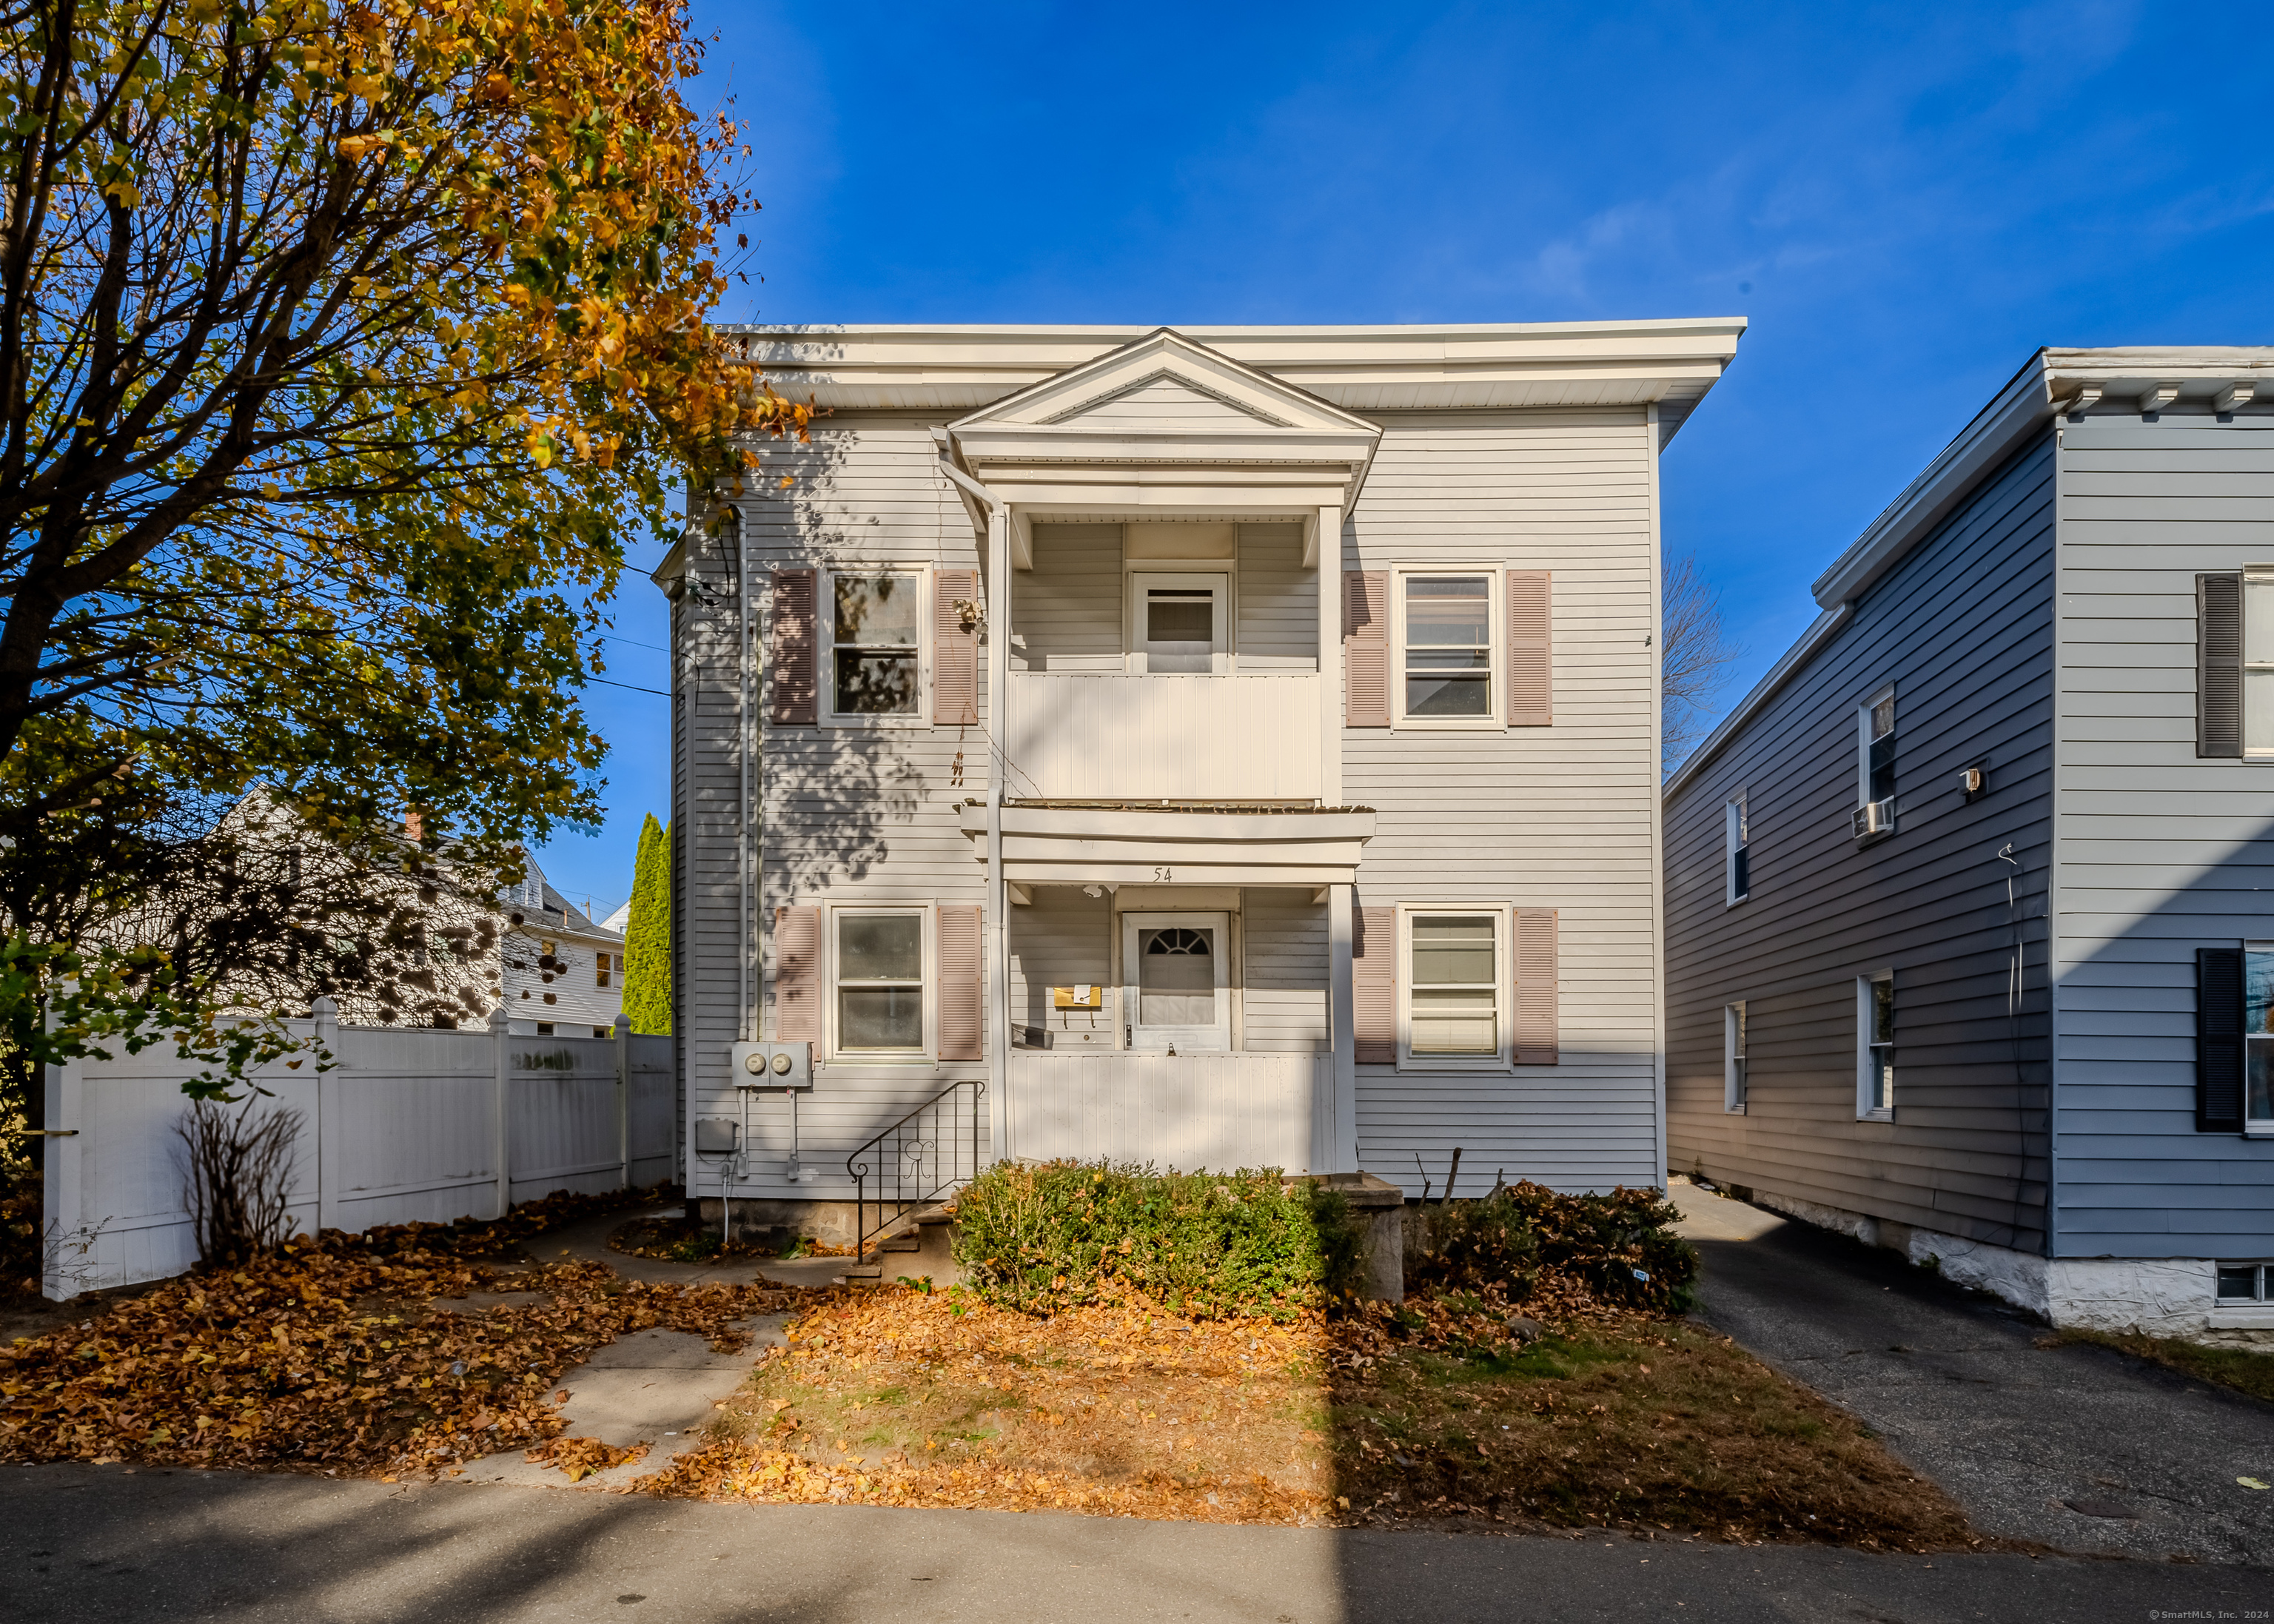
<point x="601" y="1032"/>
<point x="875" y="638"/>
<point x="2258" y="662"/>
<point x="2244" y="1283"/>
<point x="1446" y="644"/>
<point x="1733" y="1058"/>
<point x="606" y="968"/>
<point x="2258" y="1037"/>
<point x="1178" y="622"/>
<point x="545" y="1029"/>
<point x="1456" y="1010"/>
<point x="1875" y="765"/>
<point x="1875" y="1045"/>
<point x="878" y="958"/>
<point x="1740" y="875"/>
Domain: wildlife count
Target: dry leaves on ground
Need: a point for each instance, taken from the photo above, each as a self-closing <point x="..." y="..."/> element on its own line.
<point x="580" y="1457"/>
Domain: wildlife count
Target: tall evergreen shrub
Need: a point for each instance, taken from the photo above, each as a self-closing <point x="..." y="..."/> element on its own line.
<point x="647" y="934"/>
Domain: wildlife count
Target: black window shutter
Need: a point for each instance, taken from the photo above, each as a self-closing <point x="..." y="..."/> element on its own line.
<point x="2218" y="665"/>
<point x="2218" y="1040"/>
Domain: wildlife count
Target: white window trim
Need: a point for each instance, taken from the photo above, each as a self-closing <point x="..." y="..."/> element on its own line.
<point x="928" y="935"/>
<point x="1219" y="582"/>
<point x="825" y="616"/>
<point x="1496" y="719"/>
<point x="1865" y="1111"/>
<point x="2254" y="1127"/>
<point x="1503" y="916"/>
<point x="1734" y="832"/>
<point x="2261" y="576"/>
<point x="1733" y="1092"/>
<point x="1864" y="748"/>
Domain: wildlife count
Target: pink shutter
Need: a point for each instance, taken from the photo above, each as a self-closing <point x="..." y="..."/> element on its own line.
<point x="1365" y="648"/>
<point x="1530" y="696"/>
<point x="1373" y="987"/>
<point x="961" y="1026"/>
<point x="792" y="681"/>
<point x="955" y="651"/>
<point x="1535" y="987"/>
<point x="797" y="975"/>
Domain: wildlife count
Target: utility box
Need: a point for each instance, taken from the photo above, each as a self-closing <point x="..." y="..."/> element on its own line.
<point x="717" y="1136"/>
<point x="773" y="1065"/>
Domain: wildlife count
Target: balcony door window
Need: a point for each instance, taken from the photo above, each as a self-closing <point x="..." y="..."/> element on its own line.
<point x="1179" y="623"/>
<point x="1177" y="982"/>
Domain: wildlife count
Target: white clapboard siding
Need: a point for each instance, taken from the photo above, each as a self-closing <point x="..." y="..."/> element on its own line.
<point x="402" y="1129"/>
<point x="1186" y="1112"/>
<point x="1181" y="736"/>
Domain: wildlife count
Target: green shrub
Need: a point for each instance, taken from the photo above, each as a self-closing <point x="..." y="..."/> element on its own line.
<point x="1042" y="1237"/>
<point x="1521" y="1234"/>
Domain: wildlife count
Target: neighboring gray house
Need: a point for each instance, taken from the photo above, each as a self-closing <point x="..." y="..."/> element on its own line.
<point x="2048" y="665"/>
<point x="1216" y="747"/>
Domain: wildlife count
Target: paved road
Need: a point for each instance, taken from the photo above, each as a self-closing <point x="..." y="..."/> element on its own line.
<point x="2021" y="1435"/>
<point x="80" y="1543"/>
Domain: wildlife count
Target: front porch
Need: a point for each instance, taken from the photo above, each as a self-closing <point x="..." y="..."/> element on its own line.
<point x="1219" y="1112"/>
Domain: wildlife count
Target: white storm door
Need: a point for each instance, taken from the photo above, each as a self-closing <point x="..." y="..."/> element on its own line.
<point x="1177" y="982"/>
<point x="1180" y="622"/>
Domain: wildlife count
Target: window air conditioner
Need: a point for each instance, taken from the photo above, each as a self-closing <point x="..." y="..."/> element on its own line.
<point x="1875" y="818"/>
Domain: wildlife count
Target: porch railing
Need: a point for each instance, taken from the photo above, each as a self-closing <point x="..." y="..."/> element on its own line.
<point x="932" y="1150"/>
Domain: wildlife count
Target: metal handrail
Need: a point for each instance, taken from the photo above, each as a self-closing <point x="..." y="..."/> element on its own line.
<point x="917" y="1161"/>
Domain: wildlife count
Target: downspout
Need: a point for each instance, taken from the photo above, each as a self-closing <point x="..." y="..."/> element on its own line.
<point x="746" y="1019"/>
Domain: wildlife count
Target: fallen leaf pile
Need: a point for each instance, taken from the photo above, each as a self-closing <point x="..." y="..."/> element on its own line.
<point x="580" y="1457"/>
<point x="336" y="1355"/>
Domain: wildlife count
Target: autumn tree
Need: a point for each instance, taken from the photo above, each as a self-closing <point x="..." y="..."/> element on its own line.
<point x="647" y="933"/>
<point x="344" y="348"/>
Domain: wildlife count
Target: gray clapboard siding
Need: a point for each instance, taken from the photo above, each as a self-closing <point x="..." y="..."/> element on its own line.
<point x="1282" y="972"/>
<point x="1964" y="628"/>
<point x="1066" y="613"/>
<point x="1278" y="601"/>
<point x="1562" y="817"/>
<point x="2161" y="853"/>
<point x="1063" y="939"/>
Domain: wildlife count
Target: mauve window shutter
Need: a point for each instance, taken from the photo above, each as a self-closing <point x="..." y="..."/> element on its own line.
<point x="1535" y="987"/>
<point x="791" y="686"/>
<point x="797" y="975"/>
<point x="1373" y="987"/>
<point x="1531" y="699"/>
<point x="955" y="651"/>
<point x="1365" y="648"/>
<point x="2218" y="1040"/>
<point x="2218" y="665"/>
<point x="961" y="1024"/>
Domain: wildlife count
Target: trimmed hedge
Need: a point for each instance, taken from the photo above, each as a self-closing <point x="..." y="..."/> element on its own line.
<point x="1620" y="1246"/>
<point x="1043" y="1236"/>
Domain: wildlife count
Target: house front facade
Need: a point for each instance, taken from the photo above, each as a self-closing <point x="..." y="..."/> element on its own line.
<point x="1970" y="950"/>
<point x="1207" y="747"/>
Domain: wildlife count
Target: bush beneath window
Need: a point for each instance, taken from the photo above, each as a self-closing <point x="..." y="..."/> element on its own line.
<point x="1524" y="1243"/>
<point x="1045" y="1236"/>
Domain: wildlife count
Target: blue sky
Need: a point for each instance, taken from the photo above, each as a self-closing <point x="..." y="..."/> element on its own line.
<point x="1905" y="200"/>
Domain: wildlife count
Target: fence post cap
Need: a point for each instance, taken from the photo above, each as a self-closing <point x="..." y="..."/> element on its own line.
<point x="499" y="1019"/>
<point x="325" y="1008"/>
<point x="622" y="1024"/>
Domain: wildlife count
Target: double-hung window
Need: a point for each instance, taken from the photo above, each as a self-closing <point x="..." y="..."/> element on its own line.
<point x="1448" y="645"/>
<point x="2246" y="1283"/>
<point x="1875" y="764"/>
<point x="878" y="959"/>
<point x="2258" y="1037"/>
<point x="1875" y="1045"/>
<point x="606" y="968"/>
<point x="1457" y="1001"/>
<point x="876" y="644"/>
<point x="1733" y="1057"/>
<point x="1739" y="878"/>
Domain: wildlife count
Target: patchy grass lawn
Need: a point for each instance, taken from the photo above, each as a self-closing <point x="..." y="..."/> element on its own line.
<point x="2243" y="1369"/>
<point x="905" y="1399"/>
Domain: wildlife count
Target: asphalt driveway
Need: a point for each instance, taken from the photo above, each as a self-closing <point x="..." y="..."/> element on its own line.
<point x="2081" y="1448"/>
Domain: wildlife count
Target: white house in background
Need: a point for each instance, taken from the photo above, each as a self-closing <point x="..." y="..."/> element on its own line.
<point x="562" y="976"/>
<point x="1214" y="747"/>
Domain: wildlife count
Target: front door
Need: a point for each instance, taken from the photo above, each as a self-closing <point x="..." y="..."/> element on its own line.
<point x="1176" y="981"/>
<point x="1180" y="622"/>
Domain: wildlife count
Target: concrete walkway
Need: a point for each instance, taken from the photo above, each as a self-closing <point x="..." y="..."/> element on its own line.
<point x="87" y="1543"/>
<point x="2081" y="1448"/>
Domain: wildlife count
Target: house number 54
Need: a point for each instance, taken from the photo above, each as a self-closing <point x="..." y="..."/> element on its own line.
<point x="1160" y="873"/>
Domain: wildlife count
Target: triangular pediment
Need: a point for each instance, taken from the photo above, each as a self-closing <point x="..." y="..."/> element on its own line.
<point x="1166" y="384"/>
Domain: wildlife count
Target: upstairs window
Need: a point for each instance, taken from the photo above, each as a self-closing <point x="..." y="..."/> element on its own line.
<point x="1740" y="873"/>
<point x="1448" y="646"/>
<point x="605" y="968"/>
<point x="2258" y="1037"/>
<point x="2235" y="664"/>
<point x="1733" y="1062"/>
<point x="875" y="636"/>
<point x="1875" y="1045"/>
<point x="1875" y="765"/>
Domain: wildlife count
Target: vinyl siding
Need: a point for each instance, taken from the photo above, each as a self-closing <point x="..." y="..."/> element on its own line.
<point x="1066" y="613"/>
<point x="1278" y="601"/>
<point x="1284" y="966"/>
<point x="1560" y="817"/>
<point x="1963" y="628"/>
<point x="2160" y="853"/>
<point x="1063" y="940"/>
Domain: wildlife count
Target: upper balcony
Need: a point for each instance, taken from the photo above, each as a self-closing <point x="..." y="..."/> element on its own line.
<point x="1166" y="661"/>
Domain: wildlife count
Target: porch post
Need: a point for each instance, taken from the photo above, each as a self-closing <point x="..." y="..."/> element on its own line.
<point x="1331" y="657"/>
<point x="1341" y="1135"/>
<point x="997" y="914"/>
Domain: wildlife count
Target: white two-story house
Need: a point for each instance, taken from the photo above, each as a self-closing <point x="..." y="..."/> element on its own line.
<point x="1212" y="746"/>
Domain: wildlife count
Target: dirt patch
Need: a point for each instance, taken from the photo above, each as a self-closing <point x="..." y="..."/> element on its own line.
<point x="904" y="1398"/>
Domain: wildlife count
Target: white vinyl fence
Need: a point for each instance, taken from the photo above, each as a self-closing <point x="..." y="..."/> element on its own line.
<point x="406" y="1126"/>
